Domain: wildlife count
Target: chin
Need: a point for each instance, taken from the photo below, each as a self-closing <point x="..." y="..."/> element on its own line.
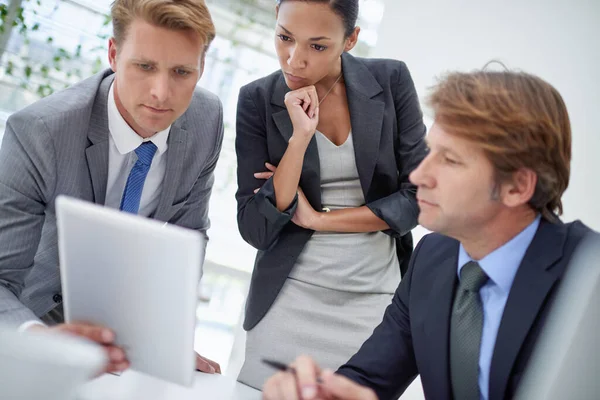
<point x="153" y="125"/>
<point x="293" y="85"/>
<point x="429" y="223"/>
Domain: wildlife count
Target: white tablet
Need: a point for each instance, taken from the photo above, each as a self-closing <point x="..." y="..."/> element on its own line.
<point x="36" y="365"/>
<point x="137" y="276"/>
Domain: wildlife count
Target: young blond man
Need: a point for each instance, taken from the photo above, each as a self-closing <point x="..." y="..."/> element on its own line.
<point x="143" y="119"/>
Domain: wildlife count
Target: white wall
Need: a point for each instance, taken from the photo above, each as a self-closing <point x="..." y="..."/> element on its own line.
<point x="559" y="40"/>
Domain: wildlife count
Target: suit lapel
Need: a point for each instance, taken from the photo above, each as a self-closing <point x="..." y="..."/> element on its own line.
<point x="535" y="278"/>
<point x="310" y="180"/>
<point x="366" y="116"/>
<point x="437" y="322"/>
<point x="97" y="153"/>
<point x="175" y="158"/>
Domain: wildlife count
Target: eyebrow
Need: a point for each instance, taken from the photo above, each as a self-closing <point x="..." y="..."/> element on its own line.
<point x="443" y="149"/>
<point x="314" y="39"/>
<point x="154" y="63"/>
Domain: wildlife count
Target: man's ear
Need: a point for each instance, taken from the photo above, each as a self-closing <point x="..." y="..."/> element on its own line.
<point x="519" y="189"/>
<point x="112" y="53"/>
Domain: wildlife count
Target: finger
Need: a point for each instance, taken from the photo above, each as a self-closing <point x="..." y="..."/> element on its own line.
<point x="315" y="117"/>
<point x="306" y="373"/>
<point x="306" y="101"/>
<point x="263" y="175"/>
<point x="269" y="389"/>
<point x="256" y="190"/>
<point x="118" y="367"/>
<point x="115" y="354"/>
<point x="314" y="101"/>
<point x="204" y="366"/>
<point x="213" y="364"/>
<point x="95" y="333"/>
<point x="270" y="167"/>
<point x="339" y="386"/>
<point x="288" y="388"/>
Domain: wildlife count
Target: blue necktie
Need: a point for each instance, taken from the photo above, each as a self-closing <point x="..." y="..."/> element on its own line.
<point x="130" y="202"/>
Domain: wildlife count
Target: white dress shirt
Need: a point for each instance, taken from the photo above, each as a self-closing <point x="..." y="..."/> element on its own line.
<point x="121" y="157"/>
<point x="501" y="266"/>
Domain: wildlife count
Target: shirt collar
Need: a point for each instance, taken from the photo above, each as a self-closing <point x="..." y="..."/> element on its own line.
<point x="124" y="137"/>
<point x="501" y="265"/>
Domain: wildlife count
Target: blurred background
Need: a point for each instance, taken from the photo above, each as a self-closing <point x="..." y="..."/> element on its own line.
<point x="46" y="45"/>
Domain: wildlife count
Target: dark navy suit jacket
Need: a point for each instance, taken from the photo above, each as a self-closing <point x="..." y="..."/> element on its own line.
<point x="413" y="338"/>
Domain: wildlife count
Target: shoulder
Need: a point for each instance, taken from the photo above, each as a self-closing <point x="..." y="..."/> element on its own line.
<point x="433" y="245"/>
<point x="72" y="105"/>
<point x="262" y="88"/>
<point x="384" y="67"/>
<point x="204" y="99"/>
<point x="385" y="71"/>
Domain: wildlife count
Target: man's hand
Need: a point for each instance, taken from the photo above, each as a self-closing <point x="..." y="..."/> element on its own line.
<point x="203" y="364"/>
<point x="339" y="387"/>
<point x="117" y="360"/>
<point x="308" y="382"/>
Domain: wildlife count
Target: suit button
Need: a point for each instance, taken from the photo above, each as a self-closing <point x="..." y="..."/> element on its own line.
<point x="57" y="298"/>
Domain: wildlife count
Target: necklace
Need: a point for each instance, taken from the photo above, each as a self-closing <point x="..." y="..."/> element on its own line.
<point x="330" y="89"/>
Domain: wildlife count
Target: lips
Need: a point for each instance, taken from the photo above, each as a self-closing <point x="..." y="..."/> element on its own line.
<point x="157" y="110"/>
<point x="293" y="78"/>
<point x="425" y="202"/>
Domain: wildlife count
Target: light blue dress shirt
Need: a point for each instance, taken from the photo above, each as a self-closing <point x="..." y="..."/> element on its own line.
<point x="501" y="266"/>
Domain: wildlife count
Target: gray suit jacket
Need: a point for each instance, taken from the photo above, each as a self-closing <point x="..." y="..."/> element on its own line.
<point x="59" y="145"/>
<point x="388" y="133"/>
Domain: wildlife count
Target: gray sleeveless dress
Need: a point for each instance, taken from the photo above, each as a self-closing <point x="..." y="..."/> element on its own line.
<point x="338" y="290"/>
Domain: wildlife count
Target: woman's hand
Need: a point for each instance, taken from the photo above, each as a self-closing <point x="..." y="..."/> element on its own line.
<point x="303" y="106"/>
<point x="265" y="174"/>
<point x="305" y="215"/>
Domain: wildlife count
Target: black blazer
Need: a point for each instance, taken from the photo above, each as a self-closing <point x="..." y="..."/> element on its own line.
<point x="388" y="132"/>
<point x="414" y="335"/>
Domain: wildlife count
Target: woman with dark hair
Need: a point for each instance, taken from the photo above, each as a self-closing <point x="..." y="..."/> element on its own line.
<point x="325" y="146"/>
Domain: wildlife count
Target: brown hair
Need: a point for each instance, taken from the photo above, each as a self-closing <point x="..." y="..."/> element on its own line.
<point x="171" y="14"/>
<point x="519" y="120"/>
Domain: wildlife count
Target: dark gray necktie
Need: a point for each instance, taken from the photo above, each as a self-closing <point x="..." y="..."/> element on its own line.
<point x="465" y="333"/>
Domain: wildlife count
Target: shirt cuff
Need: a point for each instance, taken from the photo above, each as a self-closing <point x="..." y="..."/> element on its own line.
<point x="26" y="325"/>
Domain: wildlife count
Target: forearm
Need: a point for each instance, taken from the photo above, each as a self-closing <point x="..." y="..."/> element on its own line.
<point x="287" y="176"/>
<point x="347" y="220"/>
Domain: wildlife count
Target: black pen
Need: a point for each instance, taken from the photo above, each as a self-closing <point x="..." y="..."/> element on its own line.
<point x="283" y="367"/>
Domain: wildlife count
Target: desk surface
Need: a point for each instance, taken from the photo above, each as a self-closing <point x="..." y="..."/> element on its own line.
<point x="134" y="385"/>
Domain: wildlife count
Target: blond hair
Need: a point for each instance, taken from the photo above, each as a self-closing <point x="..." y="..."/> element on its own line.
<point x="170" y="14"/>
<point x="519" y="120"/>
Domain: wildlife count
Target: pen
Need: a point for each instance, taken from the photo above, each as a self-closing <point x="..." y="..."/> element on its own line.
<point x="283" y="367"/>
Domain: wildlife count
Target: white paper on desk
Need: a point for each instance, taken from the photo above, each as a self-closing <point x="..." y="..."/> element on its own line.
<point x="135" y="276"/>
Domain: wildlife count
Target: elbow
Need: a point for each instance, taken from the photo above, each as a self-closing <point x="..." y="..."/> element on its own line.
<point x="259" y="242"/>
<point x="255" y="235"/>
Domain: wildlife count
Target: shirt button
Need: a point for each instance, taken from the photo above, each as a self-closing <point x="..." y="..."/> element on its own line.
<point x="57" y="298"/>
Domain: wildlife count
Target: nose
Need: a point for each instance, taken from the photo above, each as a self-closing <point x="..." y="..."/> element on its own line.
<point x="296" y="59"/>
<point x="160" y="88"/>
<point x="422" y="175"/>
